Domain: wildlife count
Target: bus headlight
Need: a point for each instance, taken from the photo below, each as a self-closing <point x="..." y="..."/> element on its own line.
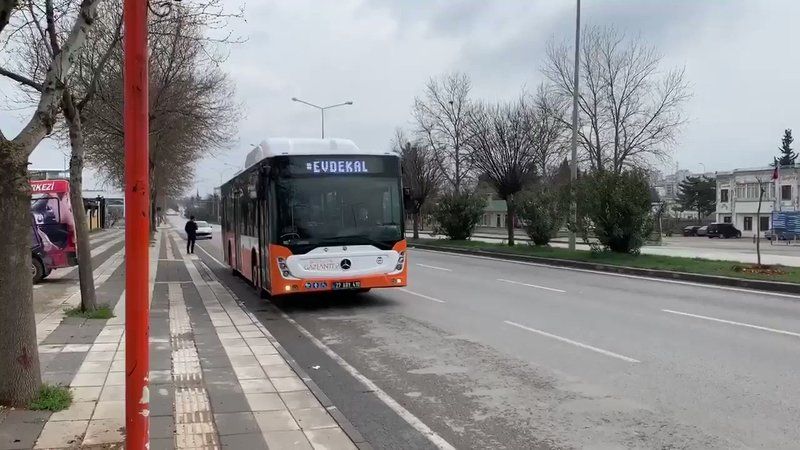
<point x="284" y="268"/>
<point x="401" y="261"/>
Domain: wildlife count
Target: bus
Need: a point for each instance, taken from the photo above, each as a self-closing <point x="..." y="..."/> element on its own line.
<point x="315" y="215"/>
<point x="54" y="223"/>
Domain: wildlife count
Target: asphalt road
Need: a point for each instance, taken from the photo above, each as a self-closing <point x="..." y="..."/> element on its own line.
<point x="493" y="354"/>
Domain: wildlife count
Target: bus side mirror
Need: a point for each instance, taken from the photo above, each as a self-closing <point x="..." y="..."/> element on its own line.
<point x="406" y="195"/>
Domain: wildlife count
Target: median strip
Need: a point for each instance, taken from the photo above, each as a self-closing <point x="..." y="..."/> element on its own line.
<point x="678" y="269"/>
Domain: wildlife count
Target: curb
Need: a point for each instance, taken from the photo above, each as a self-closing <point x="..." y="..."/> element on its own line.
<point x="761" y="285"/>
<point x="344" y="423"/>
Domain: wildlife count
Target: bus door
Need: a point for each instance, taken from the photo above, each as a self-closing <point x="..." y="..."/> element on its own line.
<point x="238" y="223"/>
<point x="263" y="230"/>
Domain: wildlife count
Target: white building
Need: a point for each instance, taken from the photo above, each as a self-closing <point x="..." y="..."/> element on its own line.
<point x="737" y="197"/>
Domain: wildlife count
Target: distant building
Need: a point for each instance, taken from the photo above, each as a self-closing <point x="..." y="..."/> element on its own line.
<point x="494" y="214"/>
<point x="668" y="188"/>
<point x="48" y="174"/>
<point x="738" y="192"/>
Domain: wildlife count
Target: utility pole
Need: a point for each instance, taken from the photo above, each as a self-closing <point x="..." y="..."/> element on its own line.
<point x="573" y="167"/>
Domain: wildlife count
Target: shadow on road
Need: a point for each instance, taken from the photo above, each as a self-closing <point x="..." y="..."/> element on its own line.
<point x="330" y="302"/>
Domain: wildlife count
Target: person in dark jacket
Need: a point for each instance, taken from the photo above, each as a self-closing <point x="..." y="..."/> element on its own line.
<point x="191" y="234"/>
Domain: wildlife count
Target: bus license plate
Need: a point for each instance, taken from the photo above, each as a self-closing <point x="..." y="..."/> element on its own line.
<point x="346" y="285"/>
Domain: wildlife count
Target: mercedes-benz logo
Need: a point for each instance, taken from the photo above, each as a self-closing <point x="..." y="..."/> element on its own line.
<point x="345" y="264"/>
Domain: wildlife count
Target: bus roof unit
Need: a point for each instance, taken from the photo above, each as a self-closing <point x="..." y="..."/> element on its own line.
<point x="307" y="147"/>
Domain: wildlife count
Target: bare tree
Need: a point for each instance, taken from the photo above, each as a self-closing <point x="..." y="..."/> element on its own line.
<point x="20" y="376"/>
<point x="547" y="116"/>
<point x="501" y="144"/>
<point x="192" y="112"/>
<point x="88" y="66"/>
<point x="421" y="174"/>
<point x="441" y="116"/>
<point x="630" y="111"/>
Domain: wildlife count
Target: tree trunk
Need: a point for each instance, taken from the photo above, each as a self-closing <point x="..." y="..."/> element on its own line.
<point x="85" y="270"/>
<point x="415" y="218"/>
<point x="20" y="378"/>
<point x="510" y="216"/>
<point x="758" y="224"/>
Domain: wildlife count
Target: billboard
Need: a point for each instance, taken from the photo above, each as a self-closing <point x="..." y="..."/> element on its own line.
<point x="55" y="224"/>
<point x="786" y="221"/>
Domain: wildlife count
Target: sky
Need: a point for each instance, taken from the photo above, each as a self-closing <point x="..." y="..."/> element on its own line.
<point x="740" y="57"/>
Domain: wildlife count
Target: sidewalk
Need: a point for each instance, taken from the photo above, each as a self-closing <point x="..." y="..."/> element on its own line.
<point x="217" y="378"/>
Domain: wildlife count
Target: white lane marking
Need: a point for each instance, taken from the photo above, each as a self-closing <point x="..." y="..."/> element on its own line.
<point x="410" y="418"/>
<point x="531" y="285"/>
<point x="575" y="343"/>
<point x="731" y="322"/>
<point x="434" y="267"/>
<point x="621" y="275"/>
<point x="212" y="257"/>
<point x="421" y="295"/>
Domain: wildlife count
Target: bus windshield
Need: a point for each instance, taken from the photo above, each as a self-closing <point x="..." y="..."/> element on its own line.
<point x="333" y="210"/>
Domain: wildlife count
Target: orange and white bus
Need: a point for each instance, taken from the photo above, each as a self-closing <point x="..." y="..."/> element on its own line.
<point x="315" y="215"/>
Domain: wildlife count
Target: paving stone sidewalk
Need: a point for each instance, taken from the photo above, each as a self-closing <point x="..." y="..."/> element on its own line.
<point x="217" y="379"/>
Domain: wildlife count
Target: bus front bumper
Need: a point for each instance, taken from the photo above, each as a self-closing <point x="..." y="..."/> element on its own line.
<point x="307" y="286"/>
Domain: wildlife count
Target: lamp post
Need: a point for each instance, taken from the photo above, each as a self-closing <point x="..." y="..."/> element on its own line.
<point x="321" y="109"/>
<point x="137" y="226"/>
<point x="573" y="166"/>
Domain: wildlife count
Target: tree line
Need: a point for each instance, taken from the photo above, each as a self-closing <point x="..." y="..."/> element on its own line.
<point x="66" y="58"/>
<point x="630" y="112"/>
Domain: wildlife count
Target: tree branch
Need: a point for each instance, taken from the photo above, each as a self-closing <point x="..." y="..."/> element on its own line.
<point x="51" y="26"/>
<point x="6" y="8"/>
<point x="101" y="65"/>
<point x="20" y="79"/>
<point x="43" y="119"/>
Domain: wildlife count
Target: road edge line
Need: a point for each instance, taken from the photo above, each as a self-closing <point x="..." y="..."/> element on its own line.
<point x="410" y="418"/>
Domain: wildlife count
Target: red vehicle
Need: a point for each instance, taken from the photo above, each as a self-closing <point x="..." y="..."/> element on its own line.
<point x="54" y="222"/>
<point x="316" y="215"/>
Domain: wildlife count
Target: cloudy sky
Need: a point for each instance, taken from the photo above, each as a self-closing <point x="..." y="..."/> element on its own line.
<point x="740" y="57"/>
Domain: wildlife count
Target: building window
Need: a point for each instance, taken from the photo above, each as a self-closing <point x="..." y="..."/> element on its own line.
<point x="764" y="223"/>
<point x="723" y="195"/>
<point x="498" y="221"/>
<point x="748" y="223"/>
<point x="726" y="219"/>
<point x="750" y="191"/>
<point x="786" y="192"/>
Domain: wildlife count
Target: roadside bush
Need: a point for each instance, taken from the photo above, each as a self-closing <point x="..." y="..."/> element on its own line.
<point x="543" y="212"/>
<point x="617" y="207"/>
<point x="456" y="215"/>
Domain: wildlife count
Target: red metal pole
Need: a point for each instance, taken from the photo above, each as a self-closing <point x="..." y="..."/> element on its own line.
<point x="137" y="227"/>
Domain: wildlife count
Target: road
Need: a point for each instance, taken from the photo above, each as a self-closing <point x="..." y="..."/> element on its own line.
<point x="493" y="354"/>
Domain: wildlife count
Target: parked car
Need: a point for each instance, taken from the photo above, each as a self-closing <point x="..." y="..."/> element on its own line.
<point x="41" y="265"/>
<point x="203" y="230"/>
<point x="691" y="230"/>
<point x="779" y="235"/>
<point x="723" y="230"/>
<point x="702" y="231"/>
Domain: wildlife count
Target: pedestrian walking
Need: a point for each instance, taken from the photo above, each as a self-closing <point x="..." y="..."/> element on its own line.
<point x="191" y="234"/>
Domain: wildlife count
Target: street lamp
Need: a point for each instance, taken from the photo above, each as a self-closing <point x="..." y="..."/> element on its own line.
<point x="321" y="109"/>
<point x="703" y="166"/>
<point x="573" y="166"/>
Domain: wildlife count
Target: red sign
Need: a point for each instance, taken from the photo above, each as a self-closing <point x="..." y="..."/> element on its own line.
<point x="41" y="186"/>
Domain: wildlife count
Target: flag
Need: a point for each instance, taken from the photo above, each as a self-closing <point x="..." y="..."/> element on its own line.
<point x="776" y="172"/>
